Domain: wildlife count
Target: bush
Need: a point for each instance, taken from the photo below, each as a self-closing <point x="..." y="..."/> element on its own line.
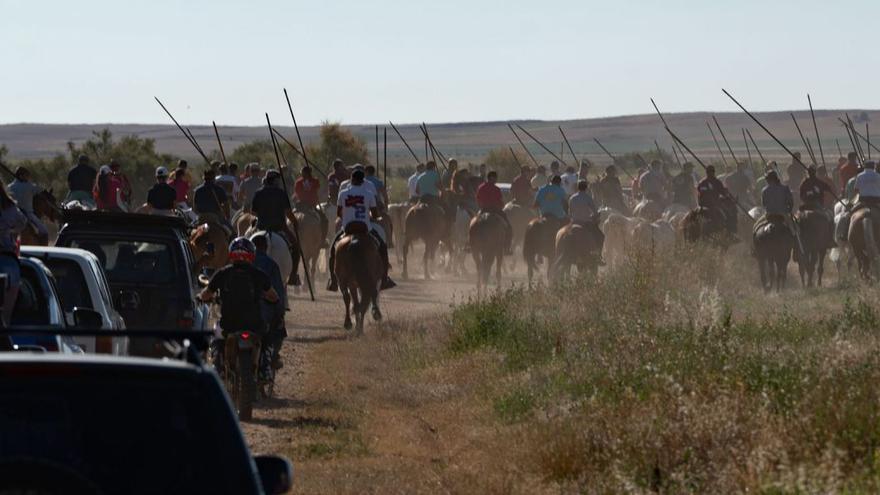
<point x="506" y="163"/>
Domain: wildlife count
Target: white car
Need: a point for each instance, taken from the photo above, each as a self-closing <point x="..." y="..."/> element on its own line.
<point x="82" y="284"/>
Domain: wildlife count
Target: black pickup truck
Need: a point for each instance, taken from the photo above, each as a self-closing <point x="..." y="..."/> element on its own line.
<point x="149" y="264"/>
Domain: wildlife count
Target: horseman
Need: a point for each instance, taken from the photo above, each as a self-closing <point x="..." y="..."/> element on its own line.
<point x="777" y="201"/>
<point x="461" y="191"/>
<point x="652" y="184"/>
<point x="355" y="204"/>
<point x="250" y="186"/>
<point x="540" y="179"/>
<point x="211" y="204"/>
<point x="382" y="198"/>
<point x="412" y="183"/>
<point x="229" y="183"/>
<point x="428" y="185"/>
<point x="446" y="179"/>
<point x="272" y="208"/>
<point x="569" y="181"/>
<point x="684" y="185"/>
<point x="717" y="200"/>
<point x="521" y="189"/>
<point x="160" y="197"/>
<point x="848" y="170"/>
<point x="610" y="192"/>
<point x="867" y="185"/>
<point x="490" y="200"/>
<point x="582" y="210"/>
<point x="738" y="183"/>
<point x="80" y="180"/>
<point x="334" y="181"/>
<point x="813" y="191"/>
<point x="306" y="191"/>
<point x="795" y="173"/>
<point x="23" y="192"/>
<point x="550" y="200"/>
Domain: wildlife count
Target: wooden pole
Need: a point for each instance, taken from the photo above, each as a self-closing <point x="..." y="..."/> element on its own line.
<point x="614" y="159"/>
<point x="856" y="139"/>
<point x="219" y="143"/>
<point x="287" y="195"/>
<point x="816" y="128"/>
<point x="298" y="135"/>
<point x="377" y="150"/>
<point x="521" y="143"/>
<point x="542" y="145"/>
<point x="729" y="148"/>
<point x="761" y="155"/>
<point x="385" y="152"/>
<point x="297" y="151"/>
<point x="801" y="134"/>
<point x="749" y="153"/>
<point x="187" y="136"/>
<point x="868" y="139"/>
<point x="411" y="152"/>
<point x="570" y="149"/>
<point x="839" y="151"/>
<point x="513" y="154"/>
<point x="717" y="146"/>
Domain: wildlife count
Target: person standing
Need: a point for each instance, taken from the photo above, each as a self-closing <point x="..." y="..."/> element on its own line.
<point x="23" y="191"/>
<point x="80" y="180"/>
<point x="181" y="189"/>
<point x="12" y="223"/>
<point x="120" y="182"/>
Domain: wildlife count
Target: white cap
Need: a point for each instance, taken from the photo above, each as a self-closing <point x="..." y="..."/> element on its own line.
<point x="161" y="172"/>
<point x="105" y="169"/>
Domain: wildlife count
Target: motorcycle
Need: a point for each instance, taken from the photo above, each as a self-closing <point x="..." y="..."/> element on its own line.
<point x="240" y="359"/>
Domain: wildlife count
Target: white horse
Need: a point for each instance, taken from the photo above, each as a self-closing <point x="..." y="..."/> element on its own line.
<point x="278" y="250"/>
<point x="841" y="255"/>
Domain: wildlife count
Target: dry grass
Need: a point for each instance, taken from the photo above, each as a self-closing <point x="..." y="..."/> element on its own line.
<point x="665" y="375"/>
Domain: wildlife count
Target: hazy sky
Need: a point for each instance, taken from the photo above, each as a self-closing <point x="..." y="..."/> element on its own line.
<point x="368" y="61"/>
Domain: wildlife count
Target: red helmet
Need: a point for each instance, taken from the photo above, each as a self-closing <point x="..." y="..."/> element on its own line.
<point x="242" y="249"/>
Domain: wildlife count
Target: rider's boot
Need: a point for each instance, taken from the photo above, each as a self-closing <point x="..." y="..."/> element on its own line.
<point x="387" y="283"/>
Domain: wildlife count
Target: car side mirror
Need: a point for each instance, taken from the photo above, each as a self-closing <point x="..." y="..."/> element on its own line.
<point x="87" y="318"/>
<point x="276" y="473"/>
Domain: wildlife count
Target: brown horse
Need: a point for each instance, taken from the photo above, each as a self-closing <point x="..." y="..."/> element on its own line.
<point x="426" y="222"/>
<point x="45" y="207"/>
<point x="649" y="210"/>
<point x="864" y="240"/>
<point x="519" y="217"/>
<point x="486" y="235"/>
<point x="397" y="216"/>
<point x="310" y="238"/>
<point x="576" y="245"/>
<point x="817" y="237"/>
<point x="358" y="271"/>
<point x="210" y="246"/>
<point x="773" y="244"/>
<point x="540" y="240"/>
<point x="707" y="226"/>
<point x="243" y="222"/>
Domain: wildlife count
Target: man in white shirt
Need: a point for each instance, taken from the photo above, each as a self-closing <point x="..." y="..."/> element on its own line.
<point x="228" y="182"/>
<point x="540" y="178"/>
<point x="867" y="185"/>
<point x="412" y="184"/>
<point x="354" y="205"/>
<point x="569" y="181"/>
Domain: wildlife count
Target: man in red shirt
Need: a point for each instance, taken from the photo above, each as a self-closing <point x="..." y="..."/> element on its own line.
<point x="340" y="174"/>
<point x="490" y="200"/>
<point x="306" y="191"/>
<point x="849" y="170"/>
<point x="521" y="187"/>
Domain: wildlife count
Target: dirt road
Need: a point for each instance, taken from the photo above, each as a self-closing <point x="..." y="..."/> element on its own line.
<point x="332" y="415"/>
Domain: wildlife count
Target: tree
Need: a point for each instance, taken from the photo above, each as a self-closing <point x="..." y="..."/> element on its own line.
<point x="337" y="142"/>
<point x="505" y="162"/>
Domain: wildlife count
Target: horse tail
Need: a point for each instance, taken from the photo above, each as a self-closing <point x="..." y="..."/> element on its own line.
<point x="358" y="253"/>
<point x="870" y="239"/>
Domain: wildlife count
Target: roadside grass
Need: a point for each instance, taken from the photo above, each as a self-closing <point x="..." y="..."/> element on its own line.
<point x="670" y="373"/>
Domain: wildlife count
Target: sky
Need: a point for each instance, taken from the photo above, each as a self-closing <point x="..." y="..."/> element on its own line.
<point x="370" y="61"/>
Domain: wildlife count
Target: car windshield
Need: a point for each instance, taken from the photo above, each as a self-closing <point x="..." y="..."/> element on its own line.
<point x="136" y="262"/>
<point x="72" y="287"/>
<point x="105" y="432"/>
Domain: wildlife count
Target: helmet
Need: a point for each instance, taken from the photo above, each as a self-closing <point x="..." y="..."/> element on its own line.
<point x="242" y="249"/>
<point x="161" y="172"/>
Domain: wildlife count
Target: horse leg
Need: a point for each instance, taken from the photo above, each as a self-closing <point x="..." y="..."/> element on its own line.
<point x="346" y="298"/>
<point x="405" y="273"/>
<point x="763" y="268"/>
<point x="475" y="254"/>
<point x="499" y="263"/>
<point x="820" y="270"/>
<point x="358" y="308"/>
<point x="430" y="250"/>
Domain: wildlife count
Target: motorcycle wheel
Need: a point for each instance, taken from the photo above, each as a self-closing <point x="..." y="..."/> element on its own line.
<point x="247" y="385"/>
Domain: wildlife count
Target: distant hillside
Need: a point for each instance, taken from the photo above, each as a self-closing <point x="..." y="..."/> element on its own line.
<point x="470" y="142"/>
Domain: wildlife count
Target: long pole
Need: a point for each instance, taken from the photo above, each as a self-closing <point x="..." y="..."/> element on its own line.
<point x="783" y="146"/>
<point x="816" y="128"/>
<point x="521" y="143"/>
<point x="675" y="154"/>
<point x="749" y="153"/>
<point x="868" y="139"/>
<point x="513" y="154"/>
<point x="411" y="152"/>
<point x="298" y="137"/>
<point x="801" y="134"/>
<point x="194" y="141"/>
<point x="297" y="151"/>
<point x="434" y="151"/>
<point x="542" y="145"/>
<point x="729" y="148"/>
<point x="839" y="151"/>
<point x="851" y="138"/>
<point x="377" y="148"/>
<point x="196" y="146"/>
<point x="761" y="155"/>
<point x="286" y="195"/>
<point x="613" y="158"/>
<point x="385" y="152"/>
<point x="717" y="146"/>
<point x="219" y="143"/>
<point x="567" y="143"/>
<point x="858" y="143"/>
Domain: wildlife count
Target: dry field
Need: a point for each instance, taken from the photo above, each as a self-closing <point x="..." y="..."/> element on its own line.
<point x="672" y="373"/>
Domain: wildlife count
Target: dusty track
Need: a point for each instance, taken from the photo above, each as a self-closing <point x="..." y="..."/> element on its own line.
<point x="346" y="429"/>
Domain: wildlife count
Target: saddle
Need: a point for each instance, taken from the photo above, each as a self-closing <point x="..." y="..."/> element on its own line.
<point x="359" y="230"/>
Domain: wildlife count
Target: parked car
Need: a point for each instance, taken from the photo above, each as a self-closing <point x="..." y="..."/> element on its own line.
<point x="105" y="424"/>
<point x="81" y="283"/>
<point x="150" y="267"/>
<point x="38" y="306"/>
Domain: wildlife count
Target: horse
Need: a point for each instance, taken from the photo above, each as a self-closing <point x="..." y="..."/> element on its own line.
<point x="243" y="222"/>
<point x="426" y="222"/>
<point x="458" y="241"/>
<point x="540" y="240"/>
<point x="841" y="254"/>
<point x="358" y="271"/>
<point x="576" y="245"/>
<point x="45" y="207"/>
<point x="310" y="238"/>
<point x="815" y="230"/>
<point x="519" y="217"/>
<point x="864" y="230"/>
<point x="486" y="235"/>
<point x="657" y="236"/>
<point x="649" y="210"/>
<point x="705" y="225"/>
<point x="210" y="246"/>
<point x="773" y="243"/>
<point x="397" y="214"/>
<point x="616" y="228"/>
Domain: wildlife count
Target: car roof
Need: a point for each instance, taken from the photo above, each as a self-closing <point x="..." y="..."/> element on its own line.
<point x="86" y="360"/>
<point x="58" y="252"/>
<point x="104" y="220"/>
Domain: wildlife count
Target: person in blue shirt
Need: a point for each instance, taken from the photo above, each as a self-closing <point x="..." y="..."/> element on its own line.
<point x="380" y="186"/>
<point x="551" y="199"/>
<point x="273" y="313"/>
<point x="428" y="185"/>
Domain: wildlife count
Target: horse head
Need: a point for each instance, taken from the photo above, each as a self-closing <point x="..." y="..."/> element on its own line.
<point x="45" y="205"/>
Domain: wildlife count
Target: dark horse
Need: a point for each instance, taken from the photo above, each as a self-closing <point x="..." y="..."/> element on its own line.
<point x="45" y="207"/>
<point x="486" y="235"/>
<point x="774" y="243"/>
<point x="358" y="270"/>
<point x="817" y="237"/>
<point x="577" y="245"/>
<point x="429" y="222"/>
<point x="540" y="240"/>
<point x="710" y="225"/>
